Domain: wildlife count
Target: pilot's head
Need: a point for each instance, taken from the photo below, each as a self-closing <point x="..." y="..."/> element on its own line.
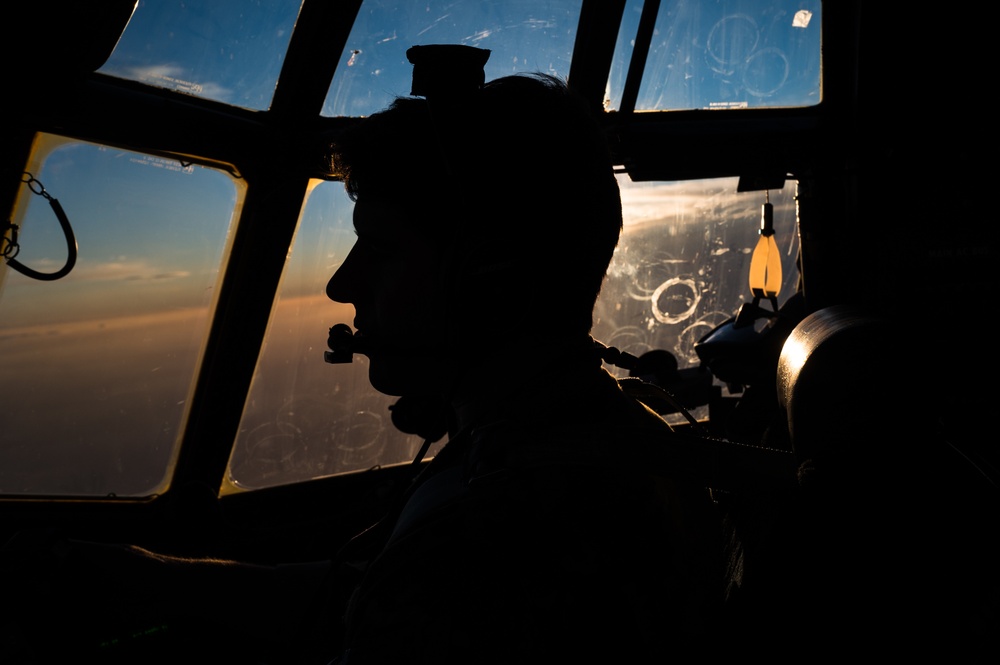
<point x="485" y="223"/>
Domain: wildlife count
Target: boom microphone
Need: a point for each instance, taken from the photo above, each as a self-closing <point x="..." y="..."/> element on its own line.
<point x="343" y="344"/>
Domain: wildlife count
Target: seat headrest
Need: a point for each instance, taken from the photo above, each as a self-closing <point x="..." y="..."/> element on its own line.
<point x="835" y="377"/>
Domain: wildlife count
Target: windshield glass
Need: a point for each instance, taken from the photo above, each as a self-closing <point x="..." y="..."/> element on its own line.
<point x="98" y="366"/>
<point x="228" y="51"/>
<point x="727" y="54"/>
<point x="522" y="35"/>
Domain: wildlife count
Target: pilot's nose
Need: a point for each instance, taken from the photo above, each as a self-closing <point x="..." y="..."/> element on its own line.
<point x="343" y="284"/>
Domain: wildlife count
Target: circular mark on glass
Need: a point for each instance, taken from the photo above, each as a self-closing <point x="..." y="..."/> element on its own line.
<point x="766" y="72"/>
<point x="675" y="300"/>
<point x="732" y="40"/>
<point x="358" y="441"/>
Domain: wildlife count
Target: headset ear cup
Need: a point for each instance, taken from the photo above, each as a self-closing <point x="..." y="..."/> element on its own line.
<point x="426" y="417"/>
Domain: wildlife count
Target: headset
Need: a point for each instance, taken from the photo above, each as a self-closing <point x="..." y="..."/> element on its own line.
<point x="343" y="344"/>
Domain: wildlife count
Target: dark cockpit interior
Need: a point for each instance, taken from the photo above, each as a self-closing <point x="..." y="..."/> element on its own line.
<point x="806" y="244"/>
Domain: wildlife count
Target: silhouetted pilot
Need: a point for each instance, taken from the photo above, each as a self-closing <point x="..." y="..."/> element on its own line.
<point x="486" y="218"/>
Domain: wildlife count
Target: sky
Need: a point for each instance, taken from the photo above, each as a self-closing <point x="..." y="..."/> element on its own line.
<point x="728" y="54"/>
<point x="101" y="363"/>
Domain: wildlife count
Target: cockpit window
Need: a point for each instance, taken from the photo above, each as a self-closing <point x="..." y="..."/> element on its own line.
<point x="305" y="418"/>
<point x="727" y="54"/>
<point x="683" y="262"/>
<point x="523" y="36"/>
<point x="680" y="269"/>
<point x="97" y="367"/>
<point x="228" y="51"/>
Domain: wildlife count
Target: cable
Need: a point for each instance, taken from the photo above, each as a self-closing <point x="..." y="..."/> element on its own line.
<point x="12" y="247"/>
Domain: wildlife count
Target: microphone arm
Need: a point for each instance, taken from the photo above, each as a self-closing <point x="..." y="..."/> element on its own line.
<point x="343" y="345"/>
